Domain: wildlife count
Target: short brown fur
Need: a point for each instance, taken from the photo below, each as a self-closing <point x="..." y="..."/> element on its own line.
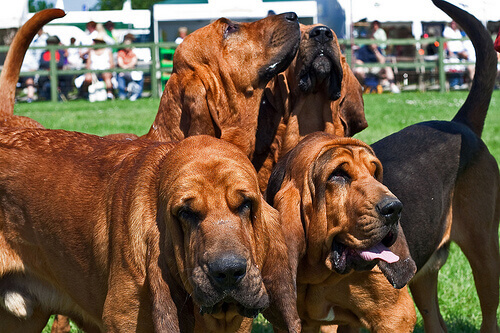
<point x="103" y="239"/>
<point x="329" y="191"/>
<point x="317" y="92"/>
<point x="219" y="75"/>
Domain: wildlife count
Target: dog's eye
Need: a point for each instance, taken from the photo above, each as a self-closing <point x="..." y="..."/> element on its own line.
<point x="188" y="215"/>
<point x="230" y="28"/>
<point x="378" y="171"/>
<point x="245" y="207"/>
<point x="340" y="176"/>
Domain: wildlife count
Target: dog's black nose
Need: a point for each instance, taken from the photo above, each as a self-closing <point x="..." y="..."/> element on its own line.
<point x="390" y="209"/>
<point x="291" y="16"/>
<point x="321" y="34"/>
<point x="228" y="270"/>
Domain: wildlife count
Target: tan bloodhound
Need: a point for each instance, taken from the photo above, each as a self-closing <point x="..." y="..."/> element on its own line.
<point x="317" y="92"/>
<point x="219" y="75"/>
<point x="32" y="288"/>
<point x="136" y="236"/>
<point x="341" y="222"/>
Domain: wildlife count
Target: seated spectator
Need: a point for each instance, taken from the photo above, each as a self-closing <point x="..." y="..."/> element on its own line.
<point x="91" y="33"/>
<point x="100" y="59"/>
<point x="432" y="47"/>
<point x="74" y="55"/>
<point x="456" y="51"/>
<point x="129" y="83"/>
<point x="109" y="27"/>
<point x="387" y="74"/>
<point x="374" y="53"/>
<point x="31" y="63"/>
<point x="182" y="33"/>
<point x="44" y="81"/>
<point x="454" y="48"/>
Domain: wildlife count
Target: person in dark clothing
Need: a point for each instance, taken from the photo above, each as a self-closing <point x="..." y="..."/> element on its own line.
<point x="61" y="60"/>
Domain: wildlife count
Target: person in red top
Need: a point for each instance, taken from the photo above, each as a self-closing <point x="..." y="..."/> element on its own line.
<point x="129" y="83"/>
<point x="497" y="42"/>
<point x="65" y="84"/>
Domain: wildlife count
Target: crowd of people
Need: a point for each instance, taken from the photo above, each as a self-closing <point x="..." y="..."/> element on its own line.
<point x="457" y="52"/>
<point x="102" y="57"/>
<point x="374" y="53"/>
<point x="129" y="84"/>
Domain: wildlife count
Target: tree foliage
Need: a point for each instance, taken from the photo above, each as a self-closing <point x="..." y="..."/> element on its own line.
<point x="38" y="5"/>
<point x="118" y="4"/>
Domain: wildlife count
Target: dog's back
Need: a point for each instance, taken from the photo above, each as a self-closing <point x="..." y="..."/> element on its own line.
<point x="449" y="185"/>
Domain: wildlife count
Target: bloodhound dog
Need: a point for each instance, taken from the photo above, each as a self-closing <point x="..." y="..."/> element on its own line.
<point x="449" y="184"/>
<point x="317" y="92"/>
<point x="32" y="285"/>
<point x="341" y="221"/>
<point x="218" y="79"/>
<point x="136" y="235"/>
<point x="12" y="67"/>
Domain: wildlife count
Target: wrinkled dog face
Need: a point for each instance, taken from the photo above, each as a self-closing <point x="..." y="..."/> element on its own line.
<point x="215" y="205"/>
<point x="252" y="53"/>
<point x="362" y="213"/>
<point x="339" y="213"/>
<point x="318" y="61"/>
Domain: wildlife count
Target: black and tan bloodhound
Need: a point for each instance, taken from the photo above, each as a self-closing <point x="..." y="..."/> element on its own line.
<point x="219" y="75"/>
<point x="317" y="92"/>
<point x="449" y="184"/>
<point x="136" y="236"/>
<point x="341" y="222"/>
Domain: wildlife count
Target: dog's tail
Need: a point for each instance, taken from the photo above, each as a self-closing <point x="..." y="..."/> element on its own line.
<point x="15" y="57"/>
<point x="473" y="111"/>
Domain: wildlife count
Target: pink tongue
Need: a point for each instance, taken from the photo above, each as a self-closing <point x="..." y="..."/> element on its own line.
<point x="379" y="251"/>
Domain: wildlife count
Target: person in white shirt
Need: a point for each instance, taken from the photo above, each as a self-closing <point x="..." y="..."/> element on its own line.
<point x="182" y="34"/>
<point x="455" y="48"/>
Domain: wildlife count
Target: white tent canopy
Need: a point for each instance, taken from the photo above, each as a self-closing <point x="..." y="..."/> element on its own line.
<point x="200" y="14"/>
<point x="14" y="14"/>
<point x="231" y="9"/>
<point x="138" y="18"/>
<point x="415" y="11"/>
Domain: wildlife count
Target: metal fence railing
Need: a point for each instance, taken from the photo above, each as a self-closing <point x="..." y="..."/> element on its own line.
<point x="156" y="69"/>
<point x="153" y="68"/>
<point x="418" y="62"/>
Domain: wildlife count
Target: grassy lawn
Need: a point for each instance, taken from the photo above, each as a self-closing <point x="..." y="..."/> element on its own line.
<point x="386" y="114"/>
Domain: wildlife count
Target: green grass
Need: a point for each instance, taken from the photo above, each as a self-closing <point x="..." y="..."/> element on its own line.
<point x="99" y="118"/>
<point x="385" y="113"/>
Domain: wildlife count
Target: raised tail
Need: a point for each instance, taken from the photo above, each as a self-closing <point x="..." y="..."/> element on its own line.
<point x="15" y="57"/>
<point x="473" y="111"/>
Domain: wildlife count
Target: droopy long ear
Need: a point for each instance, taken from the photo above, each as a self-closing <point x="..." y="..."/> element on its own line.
<point x="279" y="273"/>
<point x="277" y="93"/>
<point x="282" y="193"/>
<point x="164" y="311"/>
<point x="200" y="114"/>
<point x="288" y="202"/>
<point x="352" y="110"/>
